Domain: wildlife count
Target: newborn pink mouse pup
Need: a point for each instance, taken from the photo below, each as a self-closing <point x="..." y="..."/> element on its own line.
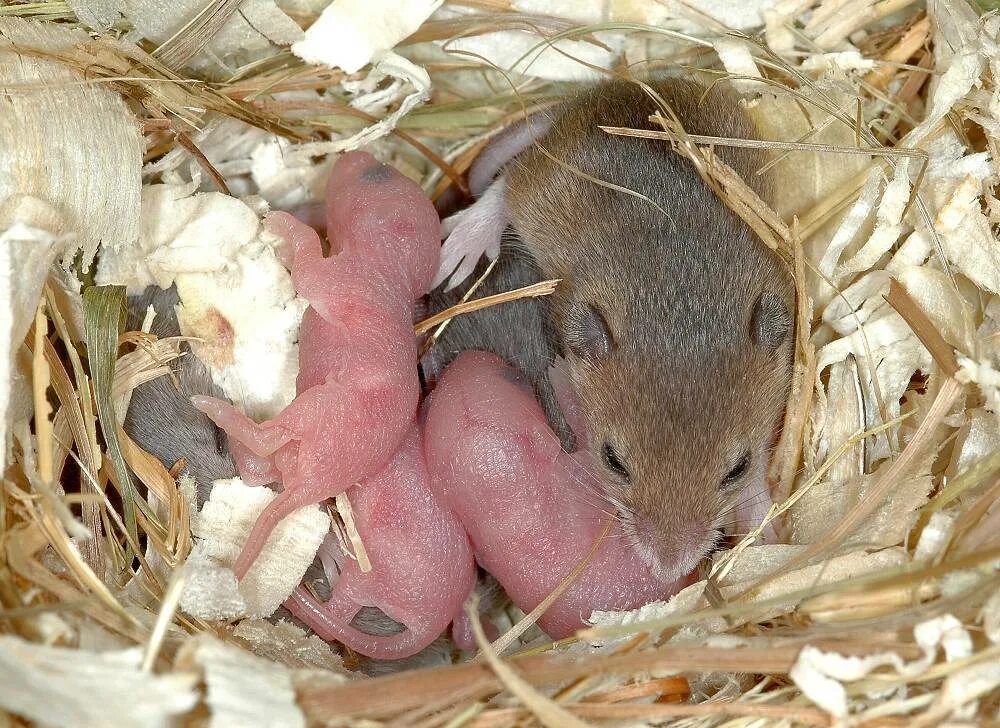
<point x="533" y="512"/>
<point x="422" y="565"/>
<point x="357" y="384"/>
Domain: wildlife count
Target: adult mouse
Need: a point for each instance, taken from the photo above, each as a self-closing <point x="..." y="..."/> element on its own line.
<point x="675" y="319"/>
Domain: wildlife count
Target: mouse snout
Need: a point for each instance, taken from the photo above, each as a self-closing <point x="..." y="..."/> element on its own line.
<point x="672" y="550"/>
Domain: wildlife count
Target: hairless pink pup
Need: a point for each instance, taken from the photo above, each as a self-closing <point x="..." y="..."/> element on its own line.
<point x="532" y="511"/>
<point x="357" y="385"/>
<point x="422" y="565"/>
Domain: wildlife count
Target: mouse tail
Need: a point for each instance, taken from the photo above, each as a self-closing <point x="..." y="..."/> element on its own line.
<point x="332" y="621"/>
<point x="287" y="502"/>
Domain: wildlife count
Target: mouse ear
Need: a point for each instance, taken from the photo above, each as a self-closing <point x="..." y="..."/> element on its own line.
<point x="771" y="321"/>
<point x="587" y="333"/>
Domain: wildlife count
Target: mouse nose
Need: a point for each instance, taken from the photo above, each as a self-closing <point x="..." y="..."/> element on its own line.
<point x="674" y="550"/>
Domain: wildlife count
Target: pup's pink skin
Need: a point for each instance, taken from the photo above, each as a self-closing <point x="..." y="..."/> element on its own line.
<point x="422" y="565"/>
<point x="357" y="382"/>
<point x="532" y="511"/>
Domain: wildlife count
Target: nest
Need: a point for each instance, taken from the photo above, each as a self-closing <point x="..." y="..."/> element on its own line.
<point x="880" y="606"/>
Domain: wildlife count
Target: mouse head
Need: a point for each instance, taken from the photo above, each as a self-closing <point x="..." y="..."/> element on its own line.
<point x="680" y="395"/>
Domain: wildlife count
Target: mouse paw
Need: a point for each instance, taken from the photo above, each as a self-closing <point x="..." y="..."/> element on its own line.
<point x="262" y="439"/>
<point x="470" y="233"/>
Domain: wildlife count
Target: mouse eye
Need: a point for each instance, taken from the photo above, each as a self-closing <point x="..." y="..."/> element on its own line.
<point x="613" y="463"/>
<point x="588" y="335"/>
<point x="737" y="471"/>
<point x="221" y="441"/>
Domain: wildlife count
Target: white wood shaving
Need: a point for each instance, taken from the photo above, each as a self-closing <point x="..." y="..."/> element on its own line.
<point x="411" y="88"/>
<point x="358" y="550"/>
<point x="228" y="274"/>
<point x="759" y="561"/>
<point x="289" y="645"/>
<point x="29" y="243"/>
<point x="980" y="438"/>
<point x="834" y="21"/>
<point x="851" y="224"/>
<point x="683" y="15"/>
<point x="935" y="535"/>
<point x="779" y="22"/>
<point x="990" y="616"/>
<point x="79" y="149"/>
<point x="855" y="304"/>
<point x="937" y="297"/>
<point x="960" y="71"/>
<point x="967" y="238"/>
<point x="211" y="591"/>
<point x="56" y="686"/>
<point x="245" y="691"/>
<point x="684" y="602"/>
<point x="738" y="61"/>
<point x="223" y="527"/>
<point x="350" y="34"/>
<point x="839" y="62"/>
<point x="98" y="14"/>
<point x="584" y="12"/>
<point x="820" y="674"/>
<point x="257" y="27"/>
<point x="960" y="692"/>
<point x="986" y="377"/>
<point x="914" y="251"/>
<point x="888" y="225"/>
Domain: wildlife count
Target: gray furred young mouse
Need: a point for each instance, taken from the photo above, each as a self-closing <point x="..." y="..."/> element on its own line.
<point x="675" y="319"/>
<point x="161" y="418"/>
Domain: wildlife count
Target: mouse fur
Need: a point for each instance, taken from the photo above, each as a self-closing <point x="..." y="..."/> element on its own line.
<point x="161" y="418"/>
<point x="674" y="317"/>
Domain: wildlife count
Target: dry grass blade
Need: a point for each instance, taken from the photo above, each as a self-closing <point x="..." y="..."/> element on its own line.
<point x="172" y="543"/>
<point x="543" y="288"/>
<point x="43" y="411"/>
<point x="195" y="35"/>
<point x="164" y="619"/>
<point x="800" y="715"/>
<point x="545" y="710"/>
<point x="357" y="544"/>
<point x="104" y="318"/>
<point x="914" y="38"/>
<point x="975" y="474"/>
<point x="788" y="453"/>
<point x="397" y="693"/>
<point x="51" y="516"/>
<point x="25" y="541"/>
<point x="667" y="686"/>
<point x="763" y="144"/>
<point x="922" y="326"/>
<point x="187" y="143"/>
<point x="80" y="413"/>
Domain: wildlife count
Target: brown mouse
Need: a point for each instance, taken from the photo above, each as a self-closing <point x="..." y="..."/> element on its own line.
<point x="674" y="317"/>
